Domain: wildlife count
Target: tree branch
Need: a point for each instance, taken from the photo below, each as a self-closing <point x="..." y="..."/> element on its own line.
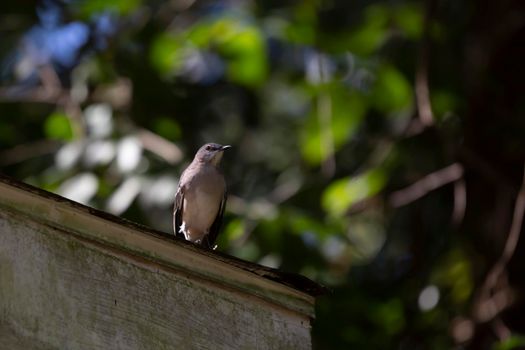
<point x="424" y="106"/>
<point x="484" y="308"/>
<point x="427" y="184"/>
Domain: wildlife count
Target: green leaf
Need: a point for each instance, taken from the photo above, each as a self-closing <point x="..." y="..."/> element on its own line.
<point x="241" y="45"/>
<point x="244" y="49"/>
<point x="302" y="29"/>
<point x="391" y="92"/>
<point x="410" y="19"/>
<point x="389" y="316"/>
<point x="167" y="127"/>
<point x="166" y="53"/>
<point x="301" y="223"/>
<point x="513" y="342"/>
<point x="443" y="102"/>
<point x="455" y="273"/>
<point x="58" y="126"/>
<point x="234" y="229"/>
<point x="347" y="111"/>
<point x="371" y="35"/>
<point x="88" y="8"/>
<point x="343" y="193"/>
<point x="247" y="63"/>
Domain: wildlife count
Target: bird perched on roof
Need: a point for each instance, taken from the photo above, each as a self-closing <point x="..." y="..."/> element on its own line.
<point x="201" y="197"/>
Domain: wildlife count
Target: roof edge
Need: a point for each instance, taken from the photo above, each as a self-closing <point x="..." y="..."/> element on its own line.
<point x="291" y="291"/>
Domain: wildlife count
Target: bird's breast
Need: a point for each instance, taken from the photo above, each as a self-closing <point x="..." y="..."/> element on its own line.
<point x="202" y="200"/>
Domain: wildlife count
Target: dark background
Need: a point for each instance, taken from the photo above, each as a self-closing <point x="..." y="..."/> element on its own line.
<point x="378" y="146"/>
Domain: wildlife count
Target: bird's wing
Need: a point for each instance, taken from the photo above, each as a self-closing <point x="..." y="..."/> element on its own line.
<point x="177" y="212"/>
<point x="209" y="240"/>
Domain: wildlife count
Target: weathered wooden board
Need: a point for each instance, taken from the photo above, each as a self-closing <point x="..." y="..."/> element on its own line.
<point x="107" y="285"/>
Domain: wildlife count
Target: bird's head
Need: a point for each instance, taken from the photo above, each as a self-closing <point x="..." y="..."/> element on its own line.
<point x="211" y="153"/>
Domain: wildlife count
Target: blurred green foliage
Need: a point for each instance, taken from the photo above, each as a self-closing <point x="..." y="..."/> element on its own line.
<point x="516" y="342"/>
<point x="105" y="102"/>
<point x="341" y="194"/>
<point x="57" y="126"/>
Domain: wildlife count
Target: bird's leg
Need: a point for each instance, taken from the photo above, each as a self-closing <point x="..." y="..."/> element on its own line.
<point x="206" y="242"/>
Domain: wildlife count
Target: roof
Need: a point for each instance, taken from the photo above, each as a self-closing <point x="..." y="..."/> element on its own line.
<point x="291" y="291"/>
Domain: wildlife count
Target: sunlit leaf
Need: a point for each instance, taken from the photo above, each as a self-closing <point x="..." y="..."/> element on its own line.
<point x="233" y="230"/>
<point x="80" y="188"/>
<point x="129" y="154"/>
<point x="123" y="196"/>
<point x="165" y="54"/>
<point x="392" y="92"/>
<point x="99" y="120"/>
<point x="98" y="152"/>
<point x="58" y="126"/>
<point x="410" y="19"/>
<point x="367" y="38"/>
<point x="202" y="33"/>
<point x="242" y="46"/>
<point x="341" y="194"/>
<point x="247" y="57"/>
<point x="347" y="111"/>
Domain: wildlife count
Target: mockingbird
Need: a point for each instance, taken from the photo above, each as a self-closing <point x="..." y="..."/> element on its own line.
<point x="201" y="197"/>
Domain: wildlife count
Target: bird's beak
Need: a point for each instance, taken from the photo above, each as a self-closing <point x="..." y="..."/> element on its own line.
<point x="224" y="148"/>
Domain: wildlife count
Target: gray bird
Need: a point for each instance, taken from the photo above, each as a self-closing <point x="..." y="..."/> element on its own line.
<point x="201" y="197"/>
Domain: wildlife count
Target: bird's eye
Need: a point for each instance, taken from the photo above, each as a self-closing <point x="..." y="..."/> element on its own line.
<point x="208" y="148"/>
